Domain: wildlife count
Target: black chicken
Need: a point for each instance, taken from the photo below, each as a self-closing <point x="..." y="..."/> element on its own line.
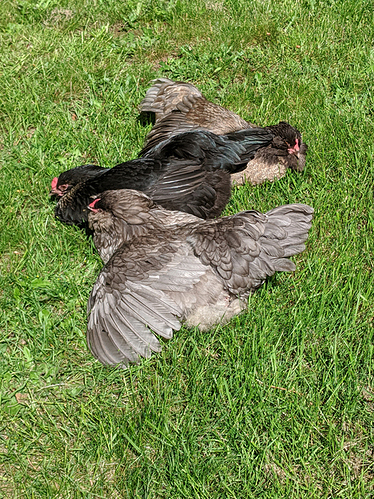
<point x="189" y="172"/>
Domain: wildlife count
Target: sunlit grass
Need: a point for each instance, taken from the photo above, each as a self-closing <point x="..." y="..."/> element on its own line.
<point x="279" y="403"/>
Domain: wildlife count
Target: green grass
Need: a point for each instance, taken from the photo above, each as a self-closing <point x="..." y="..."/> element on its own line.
<point x="280" y="402"/>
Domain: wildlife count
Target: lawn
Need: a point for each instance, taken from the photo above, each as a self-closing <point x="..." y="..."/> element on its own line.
<point x="279" y="402"/>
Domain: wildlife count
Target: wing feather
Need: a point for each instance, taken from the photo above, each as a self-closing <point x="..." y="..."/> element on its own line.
<point x="246" y="248"/>
<point x="125" y="308"/>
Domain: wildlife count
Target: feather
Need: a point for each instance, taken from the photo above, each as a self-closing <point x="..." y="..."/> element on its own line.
<point x="180" y="268"/>
<point x="180" y="106"/>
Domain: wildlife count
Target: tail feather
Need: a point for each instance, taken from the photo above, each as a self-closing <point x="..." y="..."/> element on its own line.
<point x="148" y="105"/>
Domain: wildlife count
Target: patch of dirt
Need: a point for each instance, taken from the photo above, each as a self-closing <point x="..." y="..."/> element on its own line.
<point x="6" y="484"/>
<point x="165" y="58"/>
<point x="218" y="6"/>
<point x="118" y="30"/>
<point x="30" y="132"/>
<point x="368" y="395"/>
<point x="58" y="15"/>
<point x="275" y="470"/>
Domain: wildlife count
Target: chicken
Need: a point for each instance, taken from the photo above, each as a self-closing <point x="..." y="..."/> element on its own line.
<point x="60" y="185"/>
<point x="164" y="267"/>
<point x="189" y="172"/>
<point x="179" y="107"/>
<point x="166" y="96"/>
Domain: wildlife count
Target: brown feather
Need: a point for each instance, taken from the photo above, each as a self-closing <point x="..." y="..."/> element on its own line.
<point x="180" y="106"/>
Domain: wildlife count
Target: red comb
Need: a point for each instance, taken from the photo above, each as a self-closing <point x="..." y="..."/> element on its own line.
<point x="54" y="183"/>
<point x="92" y="205"/>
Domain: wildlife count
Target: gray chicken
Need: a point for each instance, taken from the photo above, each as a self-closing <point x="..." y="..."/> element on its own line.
<point x="163" y="267"/>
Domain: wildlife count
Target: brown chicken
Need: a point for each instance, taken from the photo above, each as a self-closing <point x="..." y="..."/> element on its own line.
<point x="179" y="107"/>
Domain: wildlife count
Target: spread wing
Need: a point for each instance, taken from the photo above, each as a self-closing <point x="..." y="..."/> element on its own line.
<point x="137" y="293"/>
<point x="196" y="178"/>
<point x="248" y="247"/>
<point x="194" y="113"/>
<point x="180" y="107"/>
<point x="228" y="152"/>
